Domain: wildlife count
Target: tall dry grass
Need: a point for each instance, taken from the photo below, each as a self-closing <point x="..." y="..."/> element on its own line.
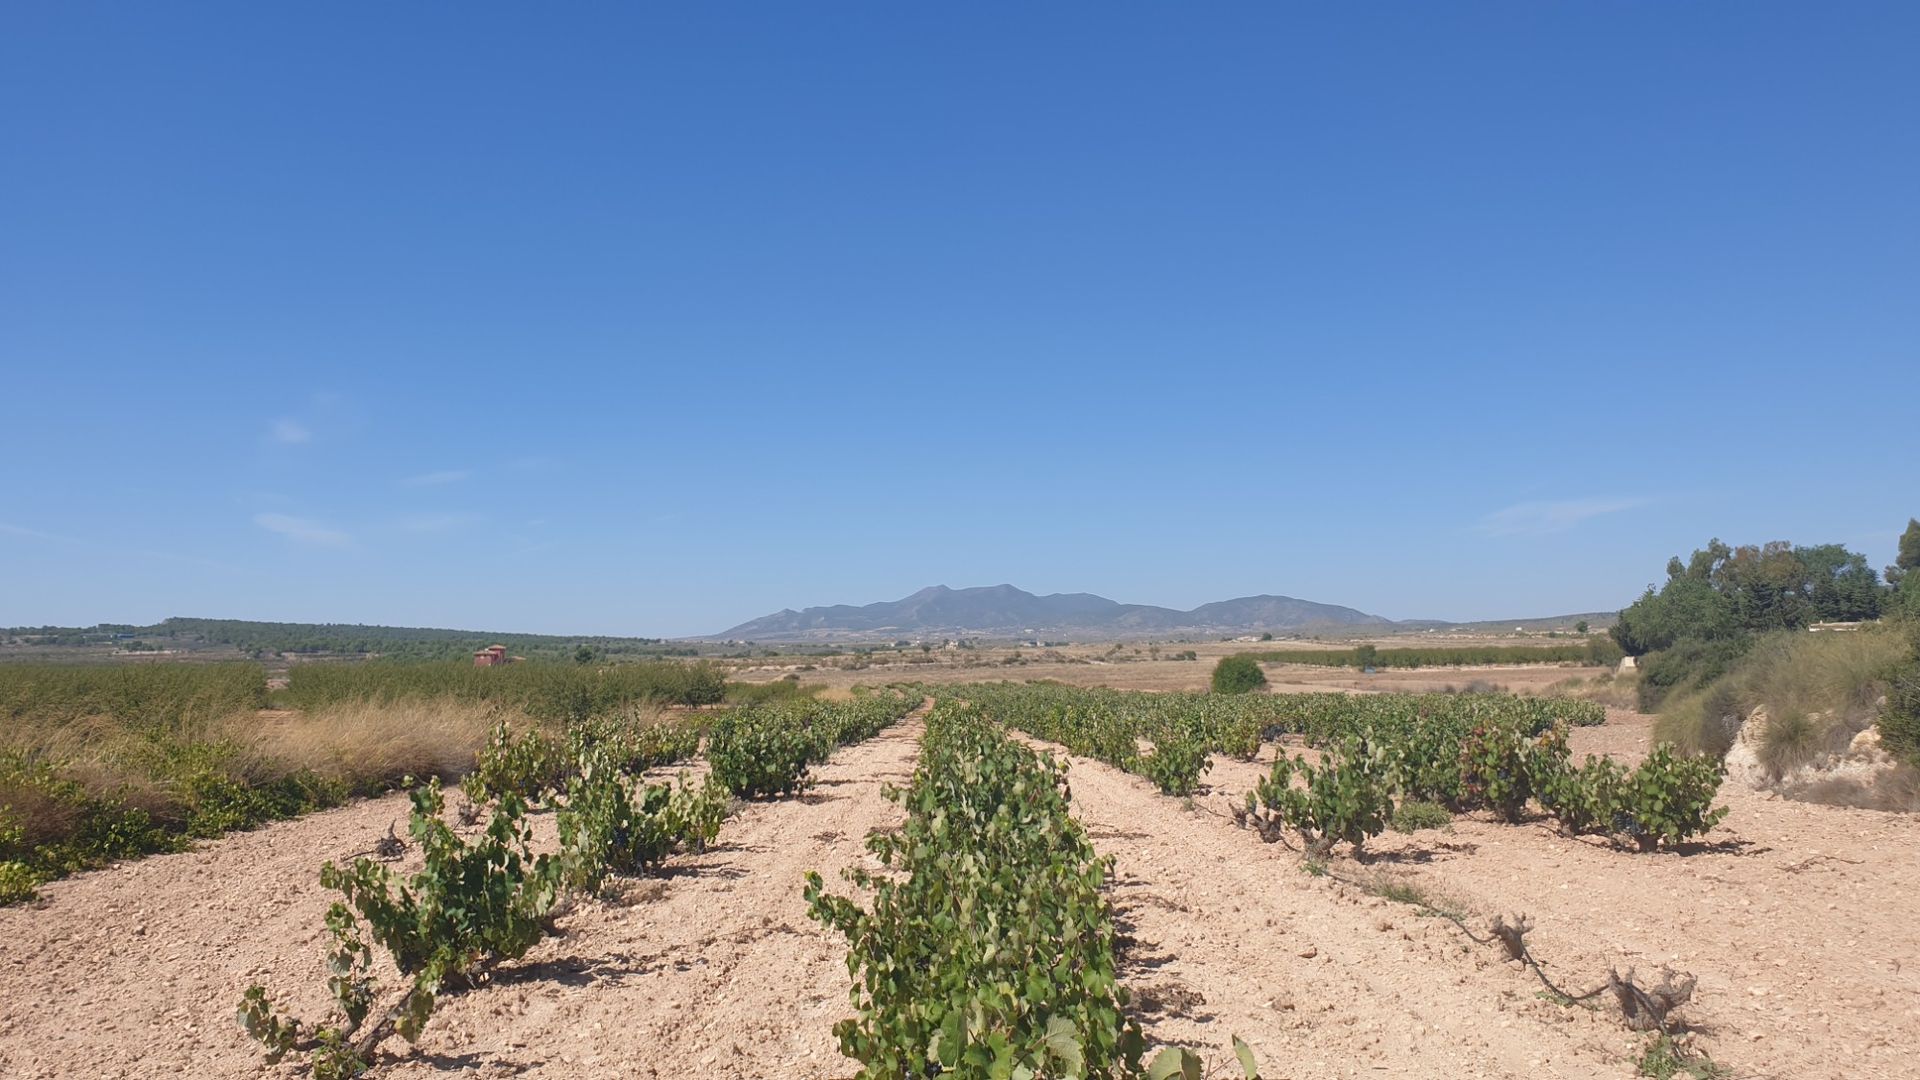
<point x="368" y="745"/>
<point x="1615" y="690"/>
<point x="1819" y="691"/>
<point x="81" y="789"/>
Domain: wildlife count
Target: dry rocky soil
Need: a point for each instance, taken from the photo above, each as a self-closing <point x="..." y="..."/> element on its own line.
<point x="1797" y="919"/>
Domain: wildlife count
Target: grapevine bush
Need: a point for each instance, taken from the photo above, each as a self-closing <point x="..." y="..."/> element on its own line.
<point x="472" y="905"/>
<point x="1666" y="800"/>
<point x="1348" y="796"/>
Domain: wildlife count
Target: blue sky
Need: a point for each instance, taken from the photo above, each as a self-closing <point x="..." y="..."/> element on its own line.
<point x="650" y="320"/>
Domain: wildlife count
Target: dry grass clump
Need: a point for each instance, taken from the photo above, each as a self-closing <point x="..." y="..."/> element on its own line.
<point x="1615" y="690"/>
<point x="367" y="745"/>
<point x="80" y="789"/>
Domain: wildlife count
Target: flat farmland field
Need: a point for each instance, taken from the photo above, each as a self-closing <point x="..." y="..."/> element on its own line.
<point x="1788" y="920"/>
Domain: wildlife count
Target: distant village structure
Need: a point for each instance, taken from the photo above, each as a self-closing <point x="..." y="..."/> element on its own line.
<point x="494" y="656"/>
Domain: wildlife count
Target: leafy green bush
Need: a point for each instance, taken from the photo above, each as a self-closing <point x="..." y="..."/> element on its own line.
<point x="755" y="755"/>
<point x="1669" y="798"/>
<point x="1346" y="797"/>
<point x="1666" y="800"/>
<point x="1414" y="815"/>
<point x="608" y="827"/>
<point x="1501" y="768"/>
<point x="1586" y="798"/>
<point x="17" y="882"/>
<point x="1237" y="675"/>
<point x="529" y="765"/>
<point x="764" y="750"/>
<point x="1176" y="764"/>
<point x="470" y="906"/>
<point x="1900" y="720"/>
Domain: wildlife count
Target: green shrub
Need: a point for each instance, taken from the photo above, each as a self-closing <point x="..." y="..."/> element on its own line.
<point x="1501" y="768"/>
<point x="1346" y="797"/>
<point x="1669" y="798"/>
<point x="470" y="906"/>
<point x="1586" y="799"/>
<point x="1176" y="764"/>
<point x="1414" y="815"/>
<point x="529" y="765"/>
<point x="1666" y="800"/>
<point x="1900" y="720"/>
<point x="17" y="882"/>
<point x="764" y="750"/>
<point x="1237" y="675"/>
<point x="608" y="827"/>
<point x="757" y="755"/>
<point x="1689" y="664"/>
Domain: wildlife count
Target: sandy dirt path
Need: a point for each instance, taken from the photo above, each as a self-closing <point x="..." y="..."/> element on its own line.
<point x="1796" y="918"/>
<point x="1322" y="980"/>
<point x="714" y="970"/>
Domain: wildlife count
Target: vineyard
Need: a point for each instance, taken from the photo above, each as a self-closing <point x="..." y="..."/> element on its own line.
<point x="1031" y="880"/>
<point x="476" y="903"/>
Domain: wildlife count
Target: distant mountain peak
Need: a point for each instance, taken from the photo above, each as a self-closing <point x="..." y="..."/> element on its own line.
<point x="1006" y="610"/>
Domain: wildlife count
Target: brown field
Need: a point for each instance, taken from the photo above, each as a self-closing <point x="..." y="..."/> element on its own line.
<point x="1797" y="920"/>
<point x="1132" y="667"/>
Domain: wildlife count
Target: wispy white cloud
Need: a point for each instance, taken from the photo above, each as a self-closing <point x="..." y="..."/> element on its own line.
<point x="291" y="432"/>
<point x="1552" y="516"/>
<point x="434" y="523"/>
<point x="434" y="479"/>
<point x="303" y="530"/>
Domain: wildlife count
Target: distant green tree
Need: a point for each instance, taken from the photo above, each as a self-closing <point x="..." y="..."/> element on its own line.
<point x="1366" y="656"/>
<point x="1840" y="586"/>
<point x="1237" y="675"/>
<point x="583" y="654"/>
<point x="1580" y="627"/>
<point x="1909" y="556"/>
<point x="1713" y="604"/>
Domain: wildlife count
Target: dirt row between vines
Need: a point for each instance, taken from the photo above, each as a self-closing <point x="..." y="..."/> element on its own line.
<point x="1797" y="920"/>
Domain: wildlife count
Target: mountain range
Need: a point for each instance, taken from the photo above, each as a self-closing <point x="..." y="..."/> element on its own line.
<point x="1003" y="611"/>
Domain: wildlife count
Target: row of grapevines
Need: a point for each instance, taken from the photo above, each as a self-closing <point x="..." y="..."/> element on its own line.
<point x="988" y="946"/>
<point x="535" y="762"/>
<point x="1496" y="764"/>
<point x="769" y="749"/>
<point x="1167" y="737"/>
